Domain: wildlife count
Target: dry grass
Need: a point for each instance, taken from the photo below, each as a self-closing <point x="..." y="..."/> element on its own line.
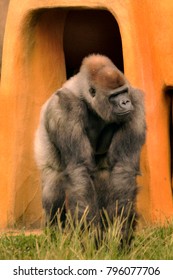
<point x="71" y="243"/>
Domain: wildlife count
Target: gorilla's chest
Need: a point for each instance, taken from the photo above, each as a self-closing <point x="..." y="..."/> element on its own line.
<point x="99" y="133"/>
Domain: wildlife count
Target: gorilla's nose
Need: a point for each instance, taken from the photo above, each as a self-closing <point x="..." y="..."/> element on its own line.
<point x="125" y="103"/>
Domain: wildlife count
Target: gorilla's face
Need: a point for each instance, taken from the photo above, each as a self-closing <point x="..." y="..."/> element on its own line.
<point x="114" y="105"/>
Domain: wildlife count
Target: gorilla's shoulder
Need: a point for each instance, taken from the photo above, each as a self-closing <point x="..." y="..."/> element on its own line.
<point x="65" y="100"/>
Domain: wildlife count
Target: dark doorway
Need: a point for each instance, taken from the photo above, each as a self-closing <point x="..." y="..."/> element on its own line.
<point x="91" y="31"/>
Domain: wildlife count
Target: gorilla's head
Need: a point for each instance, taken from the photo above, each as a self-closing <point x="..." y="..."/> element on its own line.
<point x="105" y="89"/>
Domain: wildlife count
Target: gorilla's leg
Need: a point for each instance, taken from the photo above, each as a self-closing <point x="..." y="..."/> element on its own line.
<point x="53" y="195"/>
<point x="121" y="199"/>
<point x="80" y="194"/>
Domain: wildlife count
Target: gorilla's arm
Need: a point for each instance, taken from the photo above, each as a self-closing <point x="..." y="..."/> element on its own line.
<point x="65" y="119"/>
<point x="124" y="156"/>
<point x="129" y="138"/>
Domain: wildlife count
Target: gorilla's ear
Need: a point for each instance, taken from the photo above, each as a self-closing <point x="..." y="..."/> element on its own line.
<point x="60" y="92"/>
<point x="63" y="93"/>
<point x="65" y="98"/>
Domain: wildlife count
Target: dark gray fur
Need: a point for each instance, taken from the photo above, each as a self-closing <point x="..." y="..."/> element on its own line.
<point x="88" y="150"/>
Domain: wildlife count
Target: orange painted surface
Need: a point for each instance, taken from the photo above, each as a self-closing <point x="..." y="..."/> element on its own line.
<point x="33" y="67"/>
<point x="157" y="59"/>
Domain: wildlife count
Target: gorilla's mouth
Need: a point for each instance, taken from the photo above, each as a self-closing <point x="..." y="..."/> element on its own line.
<point x="123" y="113"/>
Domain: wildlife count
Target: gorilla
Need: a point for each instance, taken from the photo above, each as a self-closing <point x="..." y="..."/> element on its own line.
<point x="88" y="145"/>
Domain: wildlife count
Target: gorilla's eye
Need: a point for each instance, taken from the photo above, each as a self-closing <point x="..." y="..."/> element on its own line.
<point x="92" y="91"/>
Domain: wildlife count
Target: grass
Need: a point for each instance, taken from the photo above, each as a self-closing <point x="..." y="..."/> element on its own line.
<point x="148" y="244"/>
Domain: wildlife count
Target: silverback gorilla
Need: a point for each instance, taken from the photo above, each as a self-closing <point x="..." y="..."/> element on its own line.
<point x="88" y="145"/>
